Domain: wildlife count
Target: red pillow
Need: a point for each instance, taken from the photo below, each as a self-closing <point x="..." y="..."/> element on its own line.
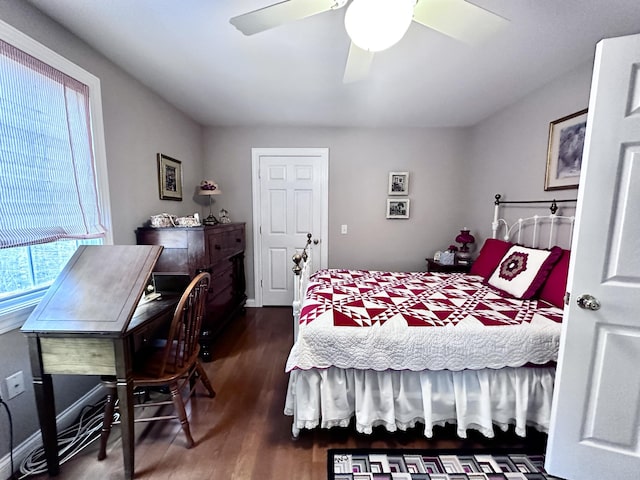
<point x="490" y="255"/>
<point x="555" y="285"/>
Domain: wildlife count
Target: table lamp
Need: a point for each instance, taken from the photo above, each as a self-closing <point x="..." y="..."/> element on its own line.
<point x="465" y="238"/>
<point x="210" y="188"/>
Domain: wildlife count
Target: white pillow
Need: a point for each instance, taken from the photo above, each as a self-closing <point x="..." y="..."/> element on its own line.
<point x="522" y="270"/>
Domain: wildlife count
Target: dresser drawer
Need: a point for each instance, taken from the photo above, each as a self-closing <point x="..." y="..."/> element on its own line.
<point x="223" y="242"/>
<point x="234" y="239"/>
<point x="221" y="279"/>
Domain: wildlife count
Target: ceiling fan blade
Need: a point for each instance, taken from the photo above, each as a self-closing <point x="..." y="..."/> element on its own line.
<point x="279" y="13"/>
<point x="358" y="64"/>
<point x="458" y="19"/>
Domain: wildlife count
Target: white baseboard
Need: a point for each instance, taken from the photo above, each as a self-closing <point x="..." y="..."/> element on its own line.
<point x="63" y="420"/>
<point x="250" y="303"/>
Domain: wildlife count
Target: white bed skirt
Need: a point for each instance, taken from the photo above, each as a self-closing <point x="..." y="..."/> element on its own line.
<point x="471" y="399"/>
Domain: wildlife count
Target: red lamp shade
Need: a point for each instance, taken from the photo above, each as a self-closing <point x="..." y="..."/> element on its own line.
<point x="465" y="238"/>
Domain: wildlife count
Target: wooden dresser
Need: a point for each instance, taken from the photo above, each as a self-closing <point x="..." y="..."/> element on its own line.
<point x="218" y="250"/>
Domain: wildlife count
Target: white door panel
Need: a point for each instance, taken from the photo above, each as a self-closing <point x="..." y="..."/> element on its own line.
<point x="277" y="265"/>
<point x="290" y="194"/>
<point x="276" y="204"/>
<point x="595" y="424"/>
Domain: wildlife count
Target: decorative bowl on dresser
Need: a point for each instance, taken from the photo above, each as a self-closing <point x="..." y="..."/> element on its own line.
<point x="217" y="249"/>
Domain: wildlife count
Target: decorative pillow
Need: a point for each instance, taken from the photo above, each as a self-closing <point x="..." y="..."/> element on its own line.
<point x="523" y="270"/>
<point x="490" y="255"/>
<point x="556" y="283"/>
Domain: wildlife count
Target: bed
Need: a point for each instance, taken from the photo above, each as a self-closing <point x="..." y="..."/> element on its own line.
<point x="398" y="349"/>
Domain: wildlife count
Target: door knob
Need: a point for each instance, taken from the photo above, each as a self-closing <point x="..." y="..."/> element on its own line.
<point x="316" y="241"/>
<point x="588" y="302"/>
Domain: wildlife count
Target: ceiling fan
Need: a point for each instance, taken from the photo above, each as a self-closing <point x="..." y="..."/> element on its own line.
<point x="366" y="22"/>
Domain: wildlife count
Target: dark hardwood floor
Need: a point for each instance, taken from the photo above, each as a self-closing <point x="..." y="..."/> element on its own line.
<point x="242" y="433"/>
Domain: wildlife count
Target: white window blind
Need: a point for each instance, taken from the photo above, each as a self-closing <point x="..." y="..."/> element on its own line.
<point x="48" y="187"/>
<point x="51" y="127"/>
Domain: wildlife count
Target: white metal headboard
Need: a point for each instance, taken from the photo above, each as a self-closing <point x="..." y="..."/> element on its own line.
<point x="534" y="231"/>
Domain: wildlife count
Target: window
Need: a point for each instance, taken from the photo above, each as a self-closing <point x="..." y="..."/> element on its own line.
<point x="53" y="177"/>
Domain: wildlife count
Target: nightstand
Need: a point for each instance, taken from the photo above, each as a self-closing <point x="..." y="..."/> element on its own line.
<point x="433" y="266"/>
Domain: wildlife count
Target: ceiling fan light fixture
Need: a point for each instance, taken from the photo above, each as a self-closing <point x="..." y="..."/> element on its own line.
<point x="375" y="25"/>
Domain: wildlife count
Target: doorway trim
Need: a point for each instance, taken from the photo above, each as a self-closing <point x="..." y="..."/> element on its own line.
<point x="322" y="155"/>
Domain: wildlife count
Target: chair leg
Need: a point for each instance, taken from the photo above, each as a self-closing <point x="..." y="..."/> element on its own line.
<point x="181" y="412"/>
<point x="202" y="375"/>
<point x="107" y="420"/>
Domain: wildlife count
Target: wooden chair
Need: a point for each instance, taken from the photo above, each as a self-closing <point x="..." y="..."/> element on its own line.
<point x="171" y="362"/>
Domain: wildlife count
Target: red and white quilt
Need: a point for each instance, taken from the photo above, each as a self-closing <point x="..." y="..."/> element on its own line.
<point x="418" y="321"/>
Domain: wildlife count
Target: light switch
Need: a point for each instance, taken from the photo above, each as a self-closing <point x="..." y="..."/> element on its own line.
<point x="343" y="229"/>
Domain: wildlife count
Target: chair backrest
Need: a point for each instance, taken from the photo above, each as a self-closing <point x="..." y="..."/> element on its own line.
<point x="181" y="348"/>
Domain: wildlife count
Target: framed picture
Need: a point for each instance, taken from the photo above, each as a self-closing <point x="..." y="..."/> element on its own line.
<point x="398" y="207"/>
<point x="398" y="183"/>
<point x="564" y="153"/>
<point x="169" y="178"/>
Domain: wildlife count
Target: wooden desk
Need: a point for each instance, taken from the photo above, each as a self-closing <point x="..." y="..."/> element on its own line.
<point x="218" y="250"/>
<point x="93" y="354"/>
<point x="90" y="323"/>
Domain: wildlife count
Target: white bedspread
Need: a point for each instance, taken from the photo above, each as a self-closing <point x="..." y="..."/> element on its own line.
<point x="419" y="321"/>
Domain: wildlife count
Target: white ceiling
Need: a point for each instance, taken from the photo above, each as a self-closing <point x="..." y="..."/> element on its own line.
<point x="187" y="52"/>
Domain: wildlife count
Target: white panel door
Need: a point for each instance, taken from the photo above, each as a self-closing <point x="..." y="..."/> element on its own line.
<point x="292" y="198"/>
<point x="595" y="424"/>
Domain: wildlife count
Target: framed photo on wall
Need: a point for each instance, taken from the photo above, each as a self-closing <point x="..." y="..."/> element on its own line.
<point x="169" y="178"/>
<point x="564" y="153"/>
<point x="398" y="183"/>
<point x="398" y="207"/>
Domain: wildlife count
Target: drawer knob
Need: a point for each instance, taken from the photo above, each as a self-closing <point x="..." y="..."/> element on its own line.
<point x="217" y="247"/>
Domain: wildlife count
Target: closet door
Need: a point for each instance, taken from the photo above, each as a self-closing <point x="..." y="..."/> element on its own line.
<point x="291" y="192"/>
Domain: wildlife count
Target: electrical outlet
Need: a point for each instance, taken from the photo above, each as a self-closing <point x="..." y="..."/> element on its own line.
<point x="15" y="384"/>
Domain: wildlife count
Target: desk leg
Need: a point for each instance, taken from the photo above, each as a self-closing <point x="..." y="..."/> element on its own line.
<point x="43" y="390"/>
<point x="46" y="405"/>
<point x="125" y="395"/>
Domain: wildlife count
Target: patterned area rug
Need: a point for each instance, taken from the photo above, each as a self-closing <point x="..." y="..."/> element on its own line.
<point x="358" y="464"/>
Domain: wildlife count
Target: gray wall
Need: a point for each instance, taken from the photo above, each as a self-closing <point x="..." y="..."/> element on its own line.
<point x="508" y="151"/>
<point x="138" y="124"/>
<point x="359" y="164"/>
